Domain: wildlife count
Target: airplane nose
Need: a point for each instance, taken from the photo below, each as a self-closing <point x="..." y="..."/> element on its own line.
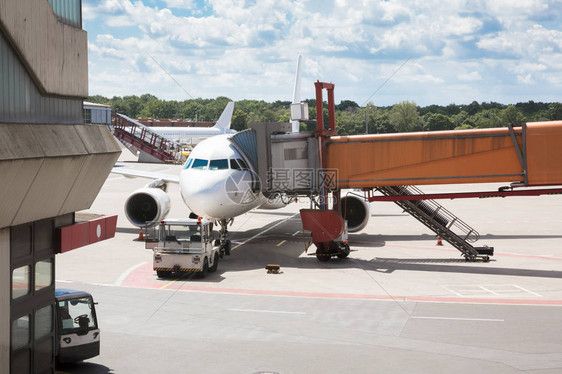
<point x="217" y="196"/>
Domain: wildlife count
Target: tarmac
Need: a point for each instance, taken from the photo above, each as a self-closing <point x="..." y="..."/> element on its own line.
<point x="399" y="303"/>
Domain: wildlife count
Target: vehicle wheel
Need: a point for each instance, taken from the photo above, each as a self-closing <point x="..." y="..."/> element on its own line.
<point x="227" y="247"/>
<point x="163" y="273"/>
<point x="213" y="268"/>
<point x="322" y="254"/>
<point x="205" y="270"/>
<point x="344" y="250"/>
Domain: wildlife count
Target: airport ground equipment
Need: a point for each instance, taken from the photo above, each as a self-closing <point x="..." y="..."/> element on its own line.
<point x="321" y="165"/>
<point x="77" y="331"/>
<point x="135" y="134"/>
<point x="185" y="246"/>
<point x="442" y="222"/>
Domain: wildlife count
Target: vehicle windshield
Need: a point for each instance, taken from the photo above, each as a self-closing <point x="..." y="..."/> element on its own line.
<point x="75" y="314"/>
<point x="179" y="232"/>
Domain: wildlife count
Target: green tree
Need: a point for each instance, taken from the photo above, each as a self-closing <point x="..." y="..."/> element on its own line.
<point x="512" y="115"/>
<point x="405" y="116"/>
<point x="239" y="120"/>
<point x="437" y="121"/>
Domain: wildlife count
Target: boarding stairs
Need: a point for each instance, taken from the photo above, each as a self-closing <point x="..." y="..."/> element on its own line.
<point x="135" y="134"/>
<point x="446" y="225"/>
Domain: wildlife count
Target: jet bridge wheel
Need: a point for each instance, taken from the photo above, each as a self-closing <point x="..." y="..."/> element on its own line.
<point x="344" y="250"/>
<point x="322" y="254"/>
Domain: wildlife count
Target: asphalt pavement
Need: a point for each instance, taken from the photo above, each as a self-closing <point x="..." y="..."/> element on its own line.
<point x="398" y="304"/>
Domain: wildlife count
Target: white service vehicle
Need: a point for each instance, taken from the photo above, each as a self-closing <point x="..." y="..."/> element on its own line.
<point x="185" y="246"/>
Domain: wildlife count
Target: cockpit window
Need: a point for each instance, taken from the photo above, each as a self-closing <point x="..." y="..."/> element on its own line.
<point x="234" y="164"/>
<point x="199" y="164"/>
<point x="188" y="163"/>
<point x="242" y="163"/>
<point x="218" y="164"/>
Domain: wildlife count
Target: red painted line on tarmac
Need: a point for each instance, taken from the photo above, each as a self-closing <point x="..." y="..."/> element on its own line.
<point x="144" y="277"/>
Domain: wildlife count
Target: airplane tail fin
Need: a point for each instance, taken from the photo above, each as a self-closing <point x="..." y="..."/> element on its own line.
<point x="297" y="88"/>
<point x="295" y="124"/>
<point x="224" y="120"/>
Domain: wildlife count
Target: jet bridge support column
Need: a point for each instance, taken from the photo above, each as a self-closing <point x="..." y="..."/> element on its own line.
<point x="327" y="226"/>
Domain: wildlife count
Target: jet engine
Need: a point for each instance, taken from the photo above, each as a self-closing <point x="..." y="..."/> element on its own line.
<point x="355" y="210"/>
<point x="147" y="206"/>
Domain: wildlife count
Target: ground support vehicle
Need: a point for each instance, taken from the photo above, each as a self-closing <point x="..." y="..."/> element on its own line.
<point x="185" y="246"/>
<point x="78" y="335"/>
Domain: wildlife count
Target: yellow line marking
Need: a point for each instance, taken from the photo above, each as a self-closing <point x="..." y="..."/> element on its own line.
<point x="174" y="281"/>
<point x="281" y="243"/>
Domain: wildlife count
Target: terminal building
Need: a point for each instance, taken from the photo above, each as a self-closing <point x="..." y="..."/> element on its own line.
<point x="51" y="165"/>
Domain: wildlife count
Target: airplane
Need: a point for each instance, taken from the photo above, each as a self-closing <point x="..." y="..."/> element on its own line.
<point x="192" y="135"/>
<point x="216" y="182"/>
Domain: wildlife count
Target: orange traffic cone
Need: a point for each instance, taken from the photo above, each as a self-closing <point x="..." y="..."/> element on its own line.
<point x="141" y="237"/>
<point x="439" y="242"/>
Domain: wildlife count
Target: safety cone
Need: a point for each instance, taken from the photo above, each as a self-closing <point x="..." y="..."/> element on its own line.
<point x="141" y="237"/>
<point x="439" y="242"/>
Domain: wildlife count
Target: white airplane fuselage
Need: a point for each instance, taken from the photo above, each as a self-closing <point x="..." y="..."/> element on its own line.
<point x="189" y="135"/>
<point x="217" y="182"/>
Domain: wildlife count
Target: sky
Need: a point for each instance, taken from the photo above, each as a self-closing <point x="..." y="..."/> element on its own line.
<point x="426" y="51"/>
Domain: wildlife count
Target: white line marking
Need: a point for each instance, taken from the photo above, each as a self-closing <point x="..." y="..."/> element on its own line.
<point x="126" y="273"/>
<point x="264" y="311"/>
<point x="461" y="319"/>
<point x="450" y="290"/>
<point x="263" y="232"/>
<point x="531" y="292"/>
<point x="296" y="232"/>
<point x="489" y="290"/>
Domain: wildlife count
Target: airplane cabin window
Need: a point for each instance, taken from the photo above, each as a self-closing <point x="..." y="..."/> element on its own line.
<point x="242" y="163"/>
<point x="234" y="164"/>
<point x="199" y="164"/>
<point x="218" y="164"/>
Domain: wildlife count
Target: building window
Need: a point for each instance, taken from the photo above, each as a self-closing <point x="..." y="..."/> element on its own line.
<point x="43" y="322"/>
<point x="20" y="282"/>
<point x="87" y="116"/>
<point x="43" y="274"/>
<point x="20" y="332"/>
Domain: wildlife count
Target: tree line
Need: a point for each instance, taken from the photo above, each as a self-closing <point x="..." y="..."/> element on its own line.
<point x="351" y="119"/>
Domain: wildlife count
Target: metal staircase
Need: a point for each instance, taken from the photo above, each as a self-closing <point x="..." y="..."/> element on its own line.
<point x="132" y="132"/>
<point x="442" y="222"/>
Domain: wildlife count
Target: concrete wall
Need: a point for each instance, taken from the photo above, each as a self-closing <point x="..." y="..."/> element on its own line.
<point x="50" y="170"/>
<point x="5" y="300"/>
<point x="56" y="55"/>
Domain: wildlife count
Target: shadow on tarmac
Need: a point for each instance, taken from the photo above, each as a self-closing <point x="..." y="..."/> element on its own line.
<point x="83" y="368"/>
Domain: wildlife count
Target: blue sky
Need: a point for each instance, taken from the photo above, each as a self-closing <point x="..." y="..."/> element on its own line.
<point x="457" y="51"/>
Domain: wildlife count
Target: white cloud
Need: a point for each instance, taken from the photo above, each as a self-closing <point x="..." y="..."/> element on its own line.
<point x="247" y="49"/>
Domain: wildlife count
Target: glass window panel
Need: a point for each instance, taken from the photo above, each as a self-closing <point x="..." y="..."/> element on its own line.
<point x="20" y="282"/>
<point x="20" y="332"/>
<point x="199" y="164"/>
<point x="20" y="240"/>
<point x="234" y="164"/>
<point x="43" y="274"/>
<point x="218" y="164"/>
<point x="242" y="163"/>
<point x="43" y="322"/>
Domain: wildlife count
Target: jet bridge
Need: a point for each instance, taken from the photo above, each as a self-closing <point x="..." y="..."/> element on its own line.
<point x="321" y="163"/>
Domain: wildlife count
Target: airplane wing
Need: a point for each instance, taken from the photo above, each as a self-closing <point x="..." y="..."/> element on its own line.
<point x="145" y="174"/>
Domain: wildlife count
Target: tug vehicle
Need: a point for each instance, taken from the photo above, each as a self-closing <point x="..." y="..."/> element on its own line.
<point x="185" y="246"/>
